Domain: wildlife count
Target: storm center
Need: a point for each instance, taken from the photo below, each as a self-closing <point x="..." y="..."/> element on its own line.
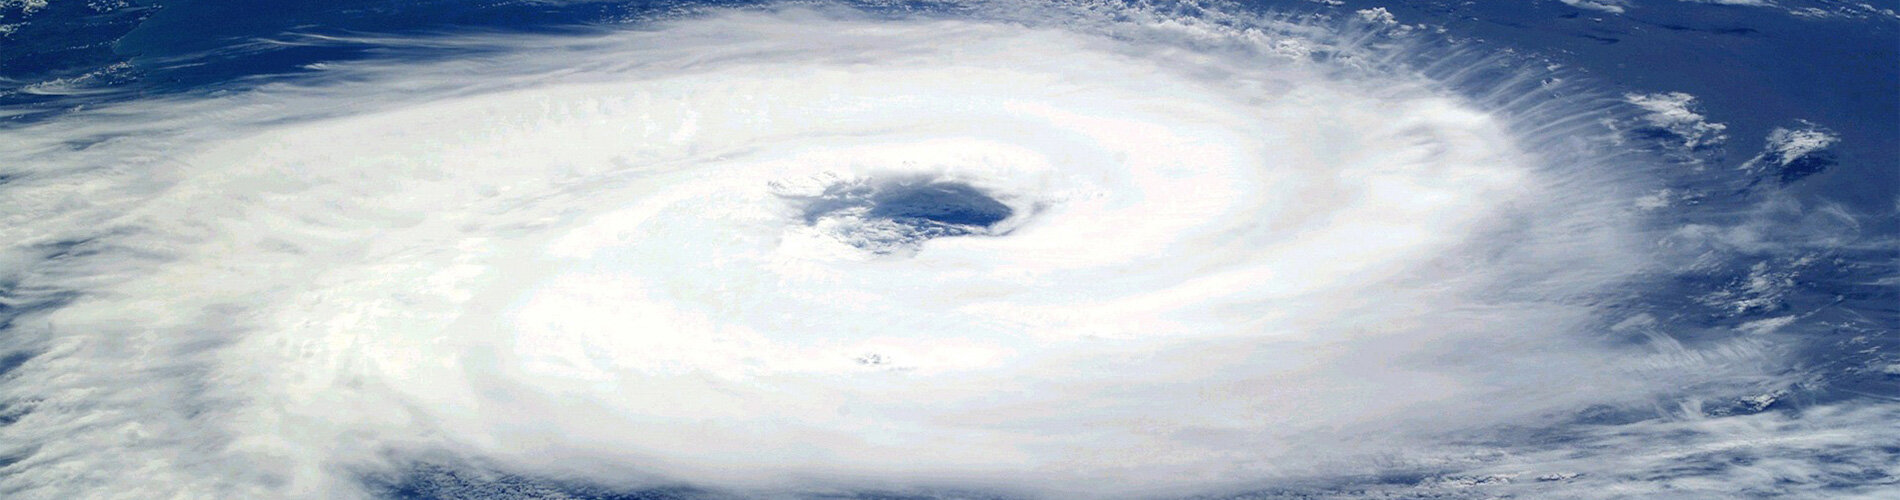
<point x="898" y="215"/>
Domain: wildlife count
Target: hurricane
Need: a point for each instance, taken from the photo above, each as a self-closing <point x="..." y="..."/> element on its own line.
<point x="967" y="249"/>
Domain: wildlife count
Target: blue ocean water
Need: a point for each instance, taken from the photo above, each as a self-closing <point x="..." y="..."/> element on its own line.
<point x="1823" y="66"/>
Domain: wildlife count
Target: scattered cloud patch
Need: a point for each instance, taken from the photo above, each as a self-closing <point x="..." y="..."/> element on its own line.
<point x="24" y="6"/>
<point x="1794" y="153"/>
<point x="1379" y="16"/>
<point x="1787" y="145"/>
<point x="1767" y="326"/>
<point x="1671" y="117"/>
<point x="1610" y="6"/>
<point x="1764" y="289"/>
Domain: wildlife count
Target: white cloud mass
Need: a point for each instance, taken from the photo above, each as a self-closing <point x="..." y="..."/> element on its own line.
<point x="1224" y="264"/>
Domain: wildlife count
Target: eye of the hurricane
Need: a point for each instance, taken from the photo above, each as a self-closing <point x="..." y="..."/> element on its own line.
<point x="898" y="216"/>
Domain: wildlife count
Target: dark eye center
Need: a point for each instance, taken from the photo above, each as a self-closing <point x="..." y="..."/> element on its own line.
<point x="941" y="203"/>
<point x="896" y="216"/>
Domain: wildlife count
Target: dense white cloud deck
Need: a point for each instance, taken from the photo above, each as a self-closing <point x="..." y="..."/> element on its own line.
<point x="1236" y="249"/>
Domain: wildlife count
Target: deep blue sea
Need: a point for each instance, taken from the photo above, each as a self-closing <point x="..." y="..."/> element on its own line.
<point x="1738" y="336"/>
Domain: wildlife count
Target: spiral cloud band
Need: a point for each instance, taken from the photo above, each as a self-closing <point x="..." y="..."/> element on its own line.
<point x="1098" y="251"/>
